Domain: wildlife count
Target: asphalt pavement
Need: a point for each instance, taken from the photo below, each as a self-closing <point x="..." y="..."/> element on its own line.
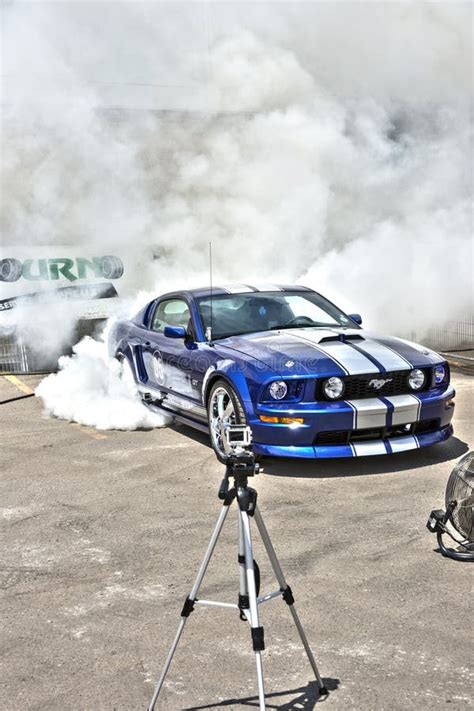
<point x="103" y="534"/>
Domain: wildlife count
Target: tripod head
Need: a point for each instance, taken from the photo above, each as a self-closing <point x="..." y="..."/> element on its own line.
<point x="240" y="460"/>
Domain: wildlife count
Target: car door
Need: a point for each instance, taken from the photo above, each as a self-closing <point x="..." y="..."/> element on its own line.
<point x="170" y="362"/>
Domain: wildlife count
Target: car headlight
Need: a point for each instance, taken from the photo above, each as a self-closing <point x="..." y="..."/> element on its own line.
<point x="439" y="374"/>
<point x="278" y="389"/>
<point x="416" y="379"/>
<point x="333" y="388"/>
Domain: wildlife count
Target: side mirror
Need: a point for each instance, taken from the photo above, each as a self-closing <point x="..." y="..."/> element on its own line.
<point x="357" y="318"/>
<point x="175" y="332"/>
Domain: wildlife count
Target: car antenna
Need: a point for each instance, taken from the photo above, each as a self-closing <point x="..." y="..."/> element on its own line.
<point x="209" y="328"/>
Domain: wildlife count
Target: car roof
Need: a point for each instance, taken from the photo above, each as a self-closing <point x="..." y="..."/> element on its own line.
<point x="242" y="289"/>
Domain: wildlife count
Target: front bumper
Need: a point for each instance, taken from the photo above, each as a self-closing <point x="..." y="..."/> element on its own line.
<point x="355" y="428"/>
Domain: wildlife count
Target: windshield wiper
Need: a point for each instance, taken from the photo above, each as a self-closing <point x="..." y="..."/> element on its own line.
<point x="304" y="325"/>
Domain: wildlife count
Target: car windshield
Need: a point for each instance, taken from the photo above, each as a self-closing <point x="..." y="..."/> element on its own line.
<point x="236" y="314"/>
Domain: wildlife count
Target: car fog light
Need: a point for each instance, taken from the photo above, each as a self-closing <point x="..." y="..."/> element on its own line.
<point x="333" y="388"/>
<point x="278" y="389"/>
<point x="416" y="379"/>
<point x="439" y="374"/>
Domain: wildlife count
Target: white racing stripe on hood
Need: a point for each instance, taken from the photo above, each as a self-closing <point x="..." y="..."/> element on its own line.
<point x="407" y="409"/>
<point x="350" y="360"/>
<point x="388" y="358"/>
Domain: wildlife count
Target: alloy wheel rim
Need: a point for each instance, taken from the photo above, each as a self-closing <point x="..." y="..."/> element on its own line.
<point x="221" y="413"/>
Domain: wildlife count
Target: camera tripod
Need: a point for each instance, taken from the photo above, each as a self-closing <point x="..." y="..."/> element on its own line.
<point x="240" y="467"/>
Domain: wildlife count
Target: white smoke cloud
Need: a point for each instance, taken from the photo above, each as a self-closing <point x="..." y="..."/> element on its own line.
<point x="89" y="389"/>
<point x="325" y="139"/>
<point x="328" y="144"/>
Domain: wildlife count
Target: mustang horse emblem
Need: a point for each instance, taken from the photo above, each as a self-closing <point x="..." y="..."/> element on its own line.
<point x="378" y="383"/>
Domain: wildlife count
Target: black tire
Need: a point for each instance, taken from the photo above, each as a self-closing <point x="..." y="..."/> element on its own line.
<point x="237" y="416"/>
<point x="10" y="269"/>
<point x="111" y="267"/>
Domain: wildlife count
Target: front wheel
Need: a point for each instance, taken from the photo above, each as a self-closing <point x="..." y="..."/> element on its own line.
<point x="223" y="408"/>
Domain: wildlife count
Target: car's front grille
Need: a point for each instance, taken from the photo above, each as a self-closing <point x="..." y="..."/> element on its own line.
<point x="341" y="437"/>
<point x="375" y="384"/>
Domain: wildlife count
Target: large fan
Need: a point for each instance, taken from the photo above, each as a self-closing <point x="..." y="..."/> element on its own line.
<point x="459" y="512"/>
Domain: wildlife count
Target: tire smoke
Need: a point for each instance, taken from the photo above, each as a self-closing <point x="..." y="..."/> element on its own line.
<point x="89" y="389"/>
<point x="326" y="144"/>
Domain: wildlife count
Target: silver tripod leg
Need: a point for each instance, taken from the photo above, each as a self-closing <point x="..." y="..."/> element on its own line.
<point x="244" y="526"/>
<point x="284" y="586"/>
<point x="191" y="598"/>
<point x="243" y="589"/>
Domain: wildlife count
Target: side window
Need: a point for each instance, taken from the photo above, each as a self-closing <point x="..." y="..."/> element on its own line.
<point x="173" y="312"/>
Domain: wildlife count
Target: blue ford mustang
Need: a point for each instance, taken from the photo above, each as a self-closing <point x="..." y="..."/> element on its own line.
<point x="304" y="375"/>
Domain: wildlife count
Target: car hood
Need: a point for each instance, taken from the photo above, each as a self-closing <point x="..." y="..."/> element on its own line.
<point x="334" y="351"/>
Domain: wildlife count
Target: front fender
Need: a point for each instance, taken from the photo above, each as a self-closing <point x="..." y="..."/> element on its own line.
<point x="242" y="376"/>
<point x="229" y="371"/>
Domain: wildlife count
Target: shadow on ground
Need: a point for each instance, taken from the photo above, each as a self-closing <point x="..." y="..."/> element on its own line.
<point x="305" y="698"/>
<point x="356" y="466"/>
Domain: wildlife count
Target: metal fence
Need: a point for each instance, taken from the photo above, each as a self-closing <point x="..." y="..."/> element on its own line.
<point x="13" y="354"/>
<point x="452" y="336"/>
<point x="17" y="357"/>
